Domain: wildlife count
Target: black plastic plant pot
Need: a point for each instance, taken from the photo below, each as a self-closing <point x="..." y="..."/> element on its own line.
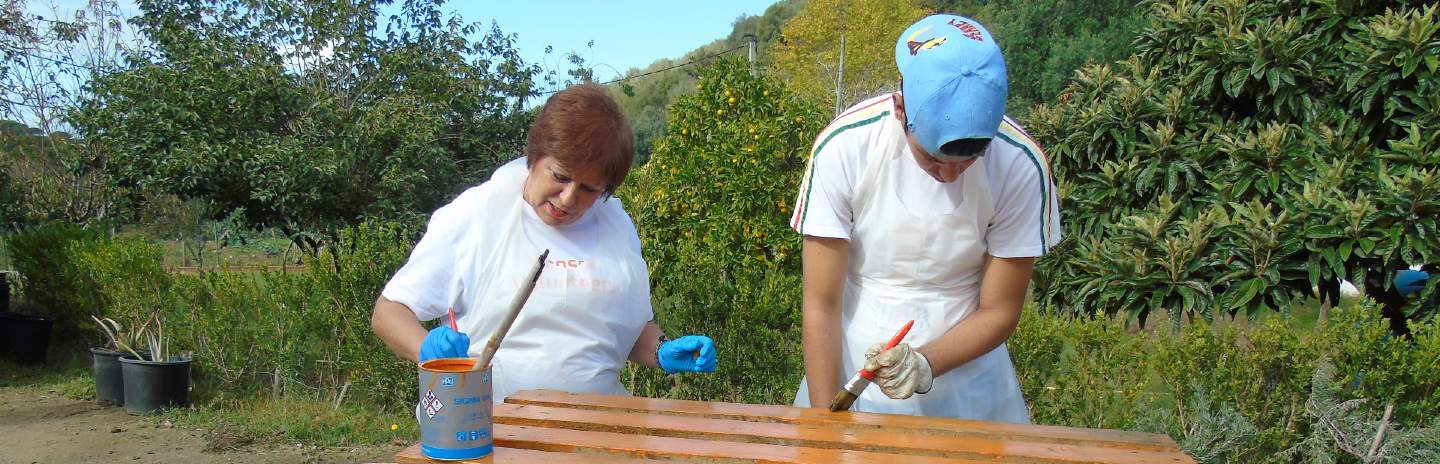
<point x="109" y="383"/>
<point x="154" y="385"/>
<point x="26" y="338"/>
<point x="4" y="292"/>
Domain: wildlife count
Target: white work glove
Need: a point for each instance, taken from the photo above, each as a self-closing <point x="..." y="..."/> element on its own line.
<point x="900" y="371"/>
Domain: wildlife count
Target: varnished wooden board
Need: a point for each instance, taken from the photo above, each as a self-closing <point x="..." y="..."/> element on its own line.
<point x="412" y="455"/>
<point x="852" y="420"/>
<point x="584" y="442"/>
<point x="729" y="433"/>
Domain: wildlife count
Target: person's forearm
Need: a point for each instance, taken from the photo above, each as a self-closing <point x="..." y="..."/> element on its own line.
<point x="398" y="327"/>
<point x="979" y="333"/>
<point x="823" y="264"/>
<point x="822" y="341"/>
<point x="647" y="345"/>
<point x="1002" y="295"/>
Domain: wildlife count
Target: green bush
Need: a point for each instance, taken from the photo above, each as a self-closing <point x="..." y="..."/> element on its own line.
<point x="711" y="207"/>
<point x="1227" y="392"/>
<point x="126" y="280"/>
<point x="50" y="278"/>
<point x="265" y="331"/>
<point x="720" y="183"/>
<point x="1071" y="372"/>
<point x="754" y="319"/>
<point x="1046" y="42"/>
<point x="246" y="329"/>
<point x="1245" y="153"/>
<point x="347" y="277"/>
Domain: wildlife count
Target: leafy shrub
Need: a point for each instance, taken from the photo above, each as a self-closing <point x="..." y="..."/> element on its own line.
<point x="1301" y="134"/>
<point x="754" y="319"/>
<point x="1046" y="42"/>
<point x="1068" y="372"/>
<point x="245" y="328"/>
<point x="347" y="277"/>
<point x="267" y="331"/>
<point x="1347" y="428"/>
<point x="717" y="191"/>
<point x="711" y="207"/>
<point x="1227" y="393"/>
<point x="127" y="281"/>
<point x="50" y="279"/>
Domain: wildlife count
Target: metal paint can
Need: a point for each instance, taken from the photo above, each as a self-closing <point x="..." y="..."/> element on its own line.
<point x="455" y="409"/>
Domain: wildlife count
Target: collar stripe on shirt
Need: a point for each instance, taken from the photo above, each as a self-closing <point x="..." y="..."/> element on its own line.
<point x="797" y="221"/>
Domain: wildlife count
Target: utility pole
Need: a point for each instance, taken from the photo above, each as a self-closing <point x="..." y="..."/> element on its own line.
<point x="750" y="38"/>
<point x="840" y="72"/>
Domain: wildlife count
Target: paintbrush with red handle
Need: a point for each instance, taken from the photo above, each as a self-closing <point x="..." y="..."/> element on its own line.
<point x="857" y="384"/>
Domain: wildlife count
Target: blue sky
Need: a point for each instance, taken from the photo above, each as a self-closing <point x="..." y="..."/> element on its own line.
<point x="627" y="33"/>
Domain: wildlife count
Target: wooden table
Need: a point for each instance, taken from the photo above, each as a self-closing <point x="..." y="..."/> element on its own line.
<point x="537" y="426"/>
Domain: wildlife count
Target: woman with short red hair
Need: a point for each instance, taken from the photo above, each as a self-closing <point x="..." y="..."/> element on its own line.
<point x="590" y="310"/>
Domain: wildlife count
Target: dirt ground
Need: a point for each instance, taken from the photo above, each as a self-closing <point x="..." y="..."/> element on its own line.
<point x="49" y="428"/>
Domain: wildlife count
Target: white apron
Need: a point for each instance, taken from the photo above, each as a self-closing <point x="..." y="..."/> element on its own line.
<point x="576" y="331"/>
<point x="926" y="267"/>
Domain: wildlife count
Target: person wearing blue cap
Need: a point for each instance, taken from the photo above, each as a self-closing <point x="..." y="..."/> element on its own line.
<point x="931" y="205"/>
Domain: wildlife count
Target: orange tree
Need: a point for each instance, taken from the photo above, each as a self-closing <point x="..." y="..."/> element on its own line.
<point x="711" y="207"/>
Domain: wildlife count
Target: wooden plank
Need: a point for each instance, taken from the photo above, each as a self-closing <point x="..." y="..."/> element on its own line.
<point x="853" y="420"/>
<point x="686" y="449"/>
<point x="740" y="434"/>
<point x="412" y="455"/>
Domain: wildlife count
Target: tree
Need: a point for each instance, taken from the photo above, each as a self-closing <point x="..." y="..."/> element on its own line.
<point x="646" y="95"/>
<point x="1246" y="153"/>
<point x="45" y="63"/>
<point x="310" y="115"/>
<point x="809" y="55"/>
<point x="1046" y="42"/>
<point x="711" y="207"/>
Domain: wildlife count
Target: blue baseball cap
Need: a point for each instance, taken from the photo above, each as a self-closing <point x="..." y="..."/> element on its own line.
<point x="953" y="78"/>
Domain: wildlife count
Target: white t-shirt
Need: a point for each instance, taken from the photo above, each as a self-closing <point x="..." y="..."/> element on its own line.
<point x="430" y="282"/>
<point x="1027" y="211"/>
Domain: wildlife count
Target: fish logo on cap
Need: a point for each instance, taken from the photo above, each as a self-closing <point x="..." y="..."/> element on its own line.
<point x="917" y="45"/>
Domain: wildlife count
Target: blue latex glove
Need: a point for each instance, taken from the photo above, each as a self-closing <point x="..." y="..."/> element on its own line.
<point x="691" y="353"/>
<point x="444" y="342"/>
<point x="1410" y="281"/>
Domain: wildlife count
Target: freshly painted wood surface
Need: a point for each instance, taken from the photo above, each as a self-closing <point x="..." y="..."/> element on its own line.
<point x="552" y="426"/>
<point x="412" y="455"/>
<point x="852" y="420"/>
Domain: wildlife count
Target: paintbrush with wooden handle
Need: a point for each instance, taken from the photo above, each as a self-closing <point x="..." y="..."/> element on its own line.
<point x="515" y="304"/>
<point x="857" y="384"/>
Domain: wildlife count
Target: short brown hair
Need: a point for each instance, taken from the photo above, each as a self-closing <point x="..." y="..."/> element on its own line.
<point x="582" y="126"/>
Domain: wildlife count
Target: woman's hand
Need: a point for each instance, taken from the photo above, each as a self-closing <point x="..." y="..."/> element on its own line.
<point x="691" y="353"/>
<point x="444" y="342"/>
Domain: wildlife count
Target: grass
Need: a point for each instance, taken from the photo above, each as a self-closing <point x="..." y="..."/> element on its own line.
<point x="267" y="252"/>
<point x="233" y="421"/>
<point x="259" y="418"/>
<point x="71" y="378"/>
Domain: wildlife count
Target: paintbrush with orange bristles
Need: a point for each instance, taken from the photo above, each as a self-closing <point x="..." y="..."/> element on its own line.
<point x="857" y="384"/>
